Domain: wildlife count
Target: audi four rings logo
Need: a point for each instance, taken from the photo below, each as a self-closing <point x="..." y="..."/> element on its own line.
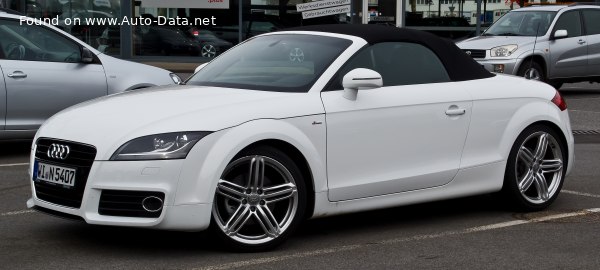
<point x="58" y="151"/>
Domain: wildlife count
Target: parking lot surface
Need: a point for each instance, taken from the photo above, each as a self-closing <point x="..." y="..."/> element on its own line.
<point x="476" y="232"/>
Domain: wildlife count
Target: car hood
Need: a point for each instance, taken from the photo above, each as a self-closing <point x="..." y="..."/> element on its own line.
<point x="110" y="121"/>
<point x="488" y="42"/>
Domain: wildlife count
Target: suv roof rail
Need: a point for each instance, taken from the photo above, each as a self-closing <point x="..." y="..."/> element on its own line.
<point x="585" y="4"/>
<point x="10" y="11"/>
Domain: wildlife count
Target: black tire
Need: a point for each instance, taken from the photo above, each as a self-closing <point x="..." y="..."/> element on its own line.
<point x="241" y="241"/>
<point x="517" y="169"/>
<point x="527" y="65"/>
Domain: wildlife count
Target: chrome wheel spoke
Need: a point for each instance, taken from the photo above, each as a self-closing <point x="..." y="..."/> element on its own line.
<point x="540" y="149"/>
<point x="267" y="221"/>
<point x="280" y="192"/>
<point x="243" y="210"/>
<point x="551" y="165"/>
<point x="526" y="181"/>
<point x="542" y="187"/>
<point x="237" y="220"/>
<point x="257" y="173"/>
<point x="526" y="156"/>
<point x="230" y="190"/>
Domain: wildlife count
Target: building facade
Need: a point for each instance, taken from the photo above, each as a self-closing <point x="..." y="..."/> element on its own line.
<point x="156" y="28"/>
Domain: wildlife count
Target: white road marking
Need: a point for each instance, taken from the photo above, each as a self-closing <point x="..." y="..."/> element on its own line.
<point x="13" y="164"/>
<point x="580" y="193"/>
<point x="318" y="252"/>
<point x="583" y="111"/>
<point x="14" y="213"/>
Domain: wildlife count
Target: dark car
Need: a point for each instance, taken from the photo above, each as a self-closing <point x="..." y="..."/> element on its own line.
<point x="251" y="28"/>
<point x="449" y="22"/>
<point x="210" y="44"/>
<point x="167" y="41"/>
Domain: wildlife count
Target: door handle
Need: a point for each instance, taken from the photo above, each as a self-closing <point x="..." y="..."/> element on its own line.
<point x="17" y="75"/>
<point x="455" y="111"/>
<point x="581" y="42"/>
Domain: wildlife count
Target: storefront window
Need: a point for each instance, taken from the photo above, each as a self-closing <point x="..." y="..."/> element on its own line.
<point x="222" y="30"/>
<point x="84" y="19"/>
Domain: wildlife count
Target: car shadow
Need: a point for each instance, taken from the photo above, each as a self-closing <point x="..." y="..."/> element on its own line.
<point x="181" y="244"/>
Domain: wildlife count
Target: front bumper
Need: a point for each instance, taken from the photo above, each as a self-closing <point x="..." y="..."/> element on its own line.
<point x="156" y="176"/>
<point x="510" y="65"/>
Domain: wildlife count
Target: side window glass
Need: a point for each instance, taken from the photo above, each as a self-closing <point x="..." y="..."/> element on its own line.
<point x="592" y="21"/>
<point x="399" y="63"/>
<point x="569" y="21"/>
<point x="36" y="43"/>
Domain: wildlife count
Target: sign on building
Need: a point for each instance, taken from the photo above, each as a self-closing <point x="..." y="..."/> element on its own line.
<point x="323" y="8"/>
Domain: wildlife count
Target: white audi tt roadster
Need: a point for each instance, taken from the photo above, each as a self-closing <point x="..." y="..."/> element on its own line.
<point x="305" y="123"/>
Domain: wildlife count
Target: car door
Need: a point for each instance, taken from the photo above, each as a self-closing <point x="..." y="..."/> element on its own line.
<point x="568" y="56"/>
<point x="44" y="74"/>
<point x="591" y="18"/>
<point x="407" y="135"/>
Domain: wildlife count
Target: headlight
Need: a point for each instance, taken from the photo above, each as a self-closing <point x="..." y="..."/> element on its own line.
<point x="504" y="51"/>
<point x="160" y="146"/>
<point x="176" y="78"/>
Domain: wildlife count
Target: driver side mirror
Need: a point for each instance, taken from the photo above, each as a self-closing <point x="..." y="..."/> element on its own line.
<point x="360" y="78"/>
<point x="87" y="56"/>
<point x="561" y="34"/>
<point x="199" y="68"/>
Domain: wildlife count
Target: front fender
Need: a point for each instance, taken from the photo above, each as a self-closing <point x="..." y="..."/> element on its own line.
<point x="206" y="162"/>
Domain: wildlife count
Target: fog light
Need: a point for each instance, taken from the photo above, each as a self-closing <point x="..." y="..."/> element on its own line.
<point x="499" y="68"/>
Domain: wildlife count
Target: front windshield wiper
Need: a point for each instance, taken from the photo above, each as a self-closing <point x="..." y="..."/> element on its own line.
<point x="487" y="34"/>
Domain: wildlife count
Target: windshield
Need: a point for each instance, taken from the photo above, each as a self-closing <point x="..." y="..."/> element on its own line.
<point x="280" y="63"/>
<point x="522" y="23"/>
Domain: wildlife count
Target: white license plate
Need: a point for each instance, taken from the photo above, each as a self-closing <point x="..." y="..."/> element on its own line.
<point x="55" y="174"/>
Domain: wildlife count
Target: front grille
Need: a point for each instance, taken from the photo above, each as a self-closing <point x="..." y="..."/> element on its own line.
<point x="124" y="203"/>
<point x="476" y="53"/>
<point x="81" y="157"/>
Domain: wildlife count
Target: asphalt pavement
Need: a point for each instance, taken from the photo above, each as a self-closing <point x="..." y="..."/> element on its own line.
<point x="469" y="233"/>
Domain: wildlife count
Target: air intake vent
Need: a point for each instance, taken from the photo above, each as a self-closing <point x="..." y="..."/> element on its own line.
<point x="131" y="203"/>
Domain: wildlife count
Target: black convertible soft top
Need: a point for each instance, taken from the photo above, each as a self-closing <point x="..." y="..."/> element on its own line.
<point x="459" y="65"/>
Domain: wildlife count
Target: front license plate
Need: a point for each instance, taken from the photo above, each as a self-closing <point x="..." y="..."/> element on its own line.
<point x="54" y="174"/>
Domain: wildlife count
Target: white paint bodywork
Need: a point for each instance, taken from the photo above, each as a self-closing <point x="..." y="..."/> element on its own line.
<point x="392" y="146"/>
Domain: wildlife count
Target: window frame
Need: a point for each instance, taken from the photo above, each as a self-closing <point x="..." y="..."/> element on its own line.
<point x="58" y="33"/>
<point x="559" y="16"/>
<point x="338" y="76"/>
<point x="584" y="22"/>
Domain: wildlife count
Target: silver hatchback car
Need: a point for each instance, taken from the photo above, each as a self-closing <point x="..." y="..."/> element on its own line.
<point x="44" y="70"/>
<point x="554" y="44"/>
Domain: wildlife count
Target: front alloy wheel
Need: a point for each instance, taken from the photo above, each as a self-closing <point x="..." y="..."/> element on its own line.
<point x="259" y="200"/>
<point x="535" y="169"/>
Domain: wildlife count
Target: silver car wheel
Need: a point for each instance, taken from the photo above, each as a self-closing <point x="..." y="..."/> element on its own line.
<point x="256" y="200"/>
<point x="539" y="167"/>
<point x="208" y="51"/>
<point x="533" y="74"/>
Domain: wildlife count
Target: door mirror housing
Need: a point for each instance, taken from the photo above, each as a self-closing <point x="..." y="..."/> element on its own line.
<point x="87" y="56"/>
<point x="199" y="68"/>
<point x="360" y="78"/>
<point x="558" y="34"/>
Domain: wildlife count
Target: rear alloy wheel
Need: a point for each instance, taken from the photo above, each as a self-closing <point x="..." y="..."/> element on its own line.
<point x="259" y="200"/>
<point x="209" y="51"/>
<point x="536" y="169"/>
